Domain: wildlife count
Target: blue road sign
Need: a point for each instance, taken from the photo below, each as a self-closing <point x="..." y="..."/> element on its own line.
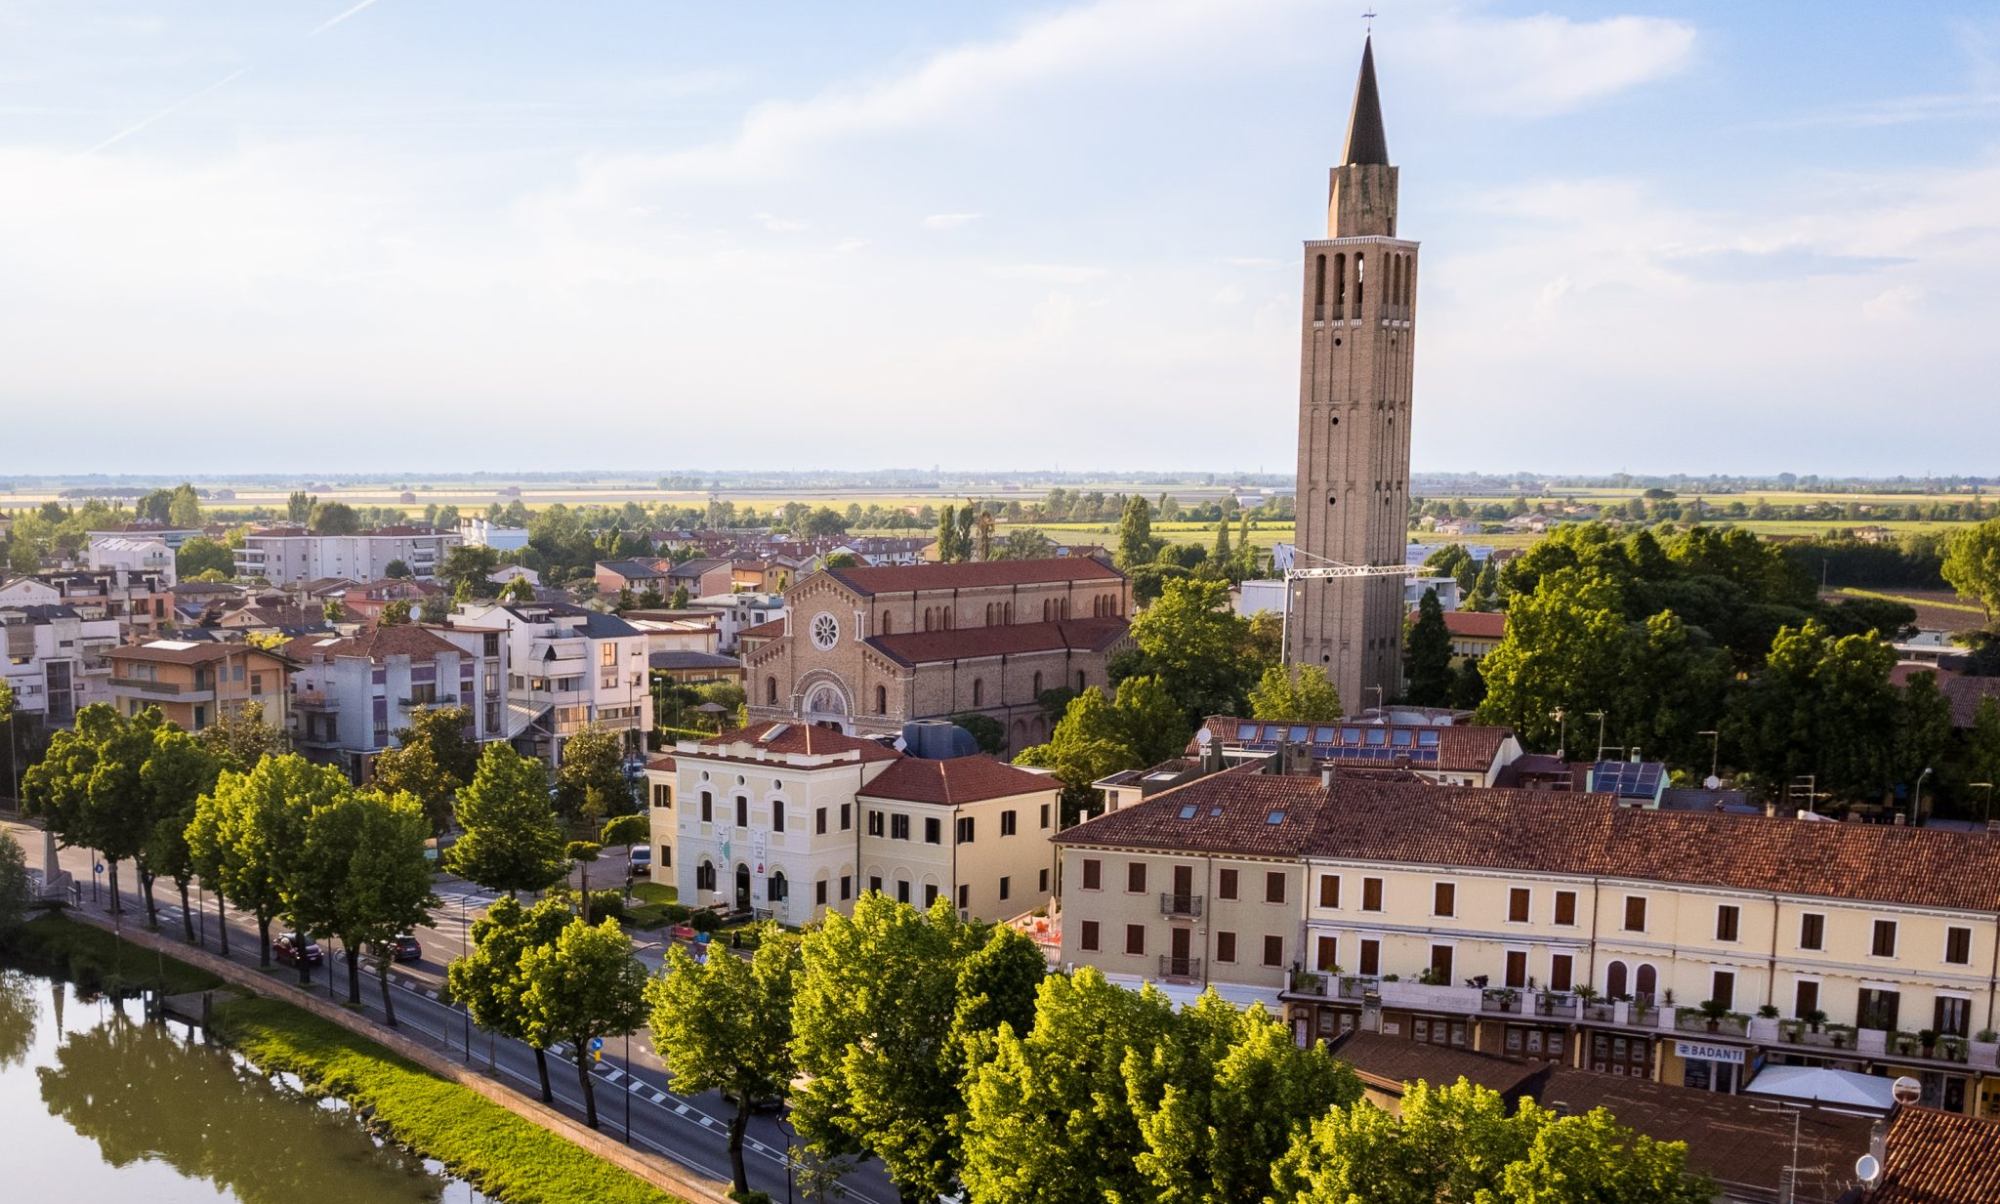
<point x="596" y="1043"/>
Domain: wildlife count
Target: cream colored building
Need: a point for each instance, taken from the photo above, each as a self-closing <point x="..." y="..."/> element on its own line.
<point x="789" y="821"/>
<point x="1566" y="928"/>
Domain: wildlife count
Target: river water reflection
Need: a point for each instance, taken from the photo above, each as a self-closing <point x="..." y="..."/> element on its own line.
<point x="97" y="1104"/>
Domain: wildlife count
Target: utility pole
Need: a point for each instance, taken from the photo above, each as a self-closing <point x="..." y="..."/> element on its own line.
<point x="1599" y="716"/>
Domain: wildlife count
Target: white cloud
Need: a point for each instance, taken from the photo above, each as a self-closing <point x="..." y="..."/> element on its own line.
<point x="1048" y="273"/>
<point x="950" y="221"/>
<point x="1533" y="66"/>
<point x="779" y="225"/>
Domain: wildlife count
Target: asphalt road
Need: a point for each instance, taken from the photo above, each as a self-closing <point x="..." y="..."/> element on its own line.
<point x="690" y="1130"/>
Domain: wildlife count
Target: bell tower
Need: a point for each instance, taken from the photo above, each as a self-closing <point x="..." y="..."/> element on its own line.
<point x="1355" y="371"/>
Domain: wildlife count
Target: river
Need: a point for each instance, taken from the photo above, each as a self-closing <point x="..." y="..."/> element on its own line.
<point x="99" y="1105"/>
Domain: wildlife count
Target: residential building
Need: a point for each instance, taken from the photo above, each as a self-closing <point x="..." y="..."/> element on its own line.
<point x="1474" y="633"/>
<point x="791" y="821"/>
<point x="367" y="602"/>
<point x="351" y="694"/>
<point x="1558" y="926"/>
<point x="638" y="576"/>
<point x="1414" y="589"/>
<point x="291" y="554"/>
<point x="173" y="537"/>
<point x="194" y="684"/>
<point x="687" y="668"/>
<point x="140" y="601"/>
<point x="1450" y="753"/>
<point x="508" y="574"/>
<point x="134" y="555"/>
<point x="867" y="650"/>
<point x="55" y="659"/>
<point x="736" y="613"/>
<point x="1357" y="365"/>
<point x="483" y="532"/>
<point x="568" y="668"/>
<point x="704" y="577"/>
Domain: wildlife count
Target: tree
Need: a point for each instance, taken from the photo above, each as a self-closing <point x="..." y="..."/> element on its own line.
<point x="836" y="560"/>
<point x="679" y="602"/>
<point x="1972" y="564"/>
<point x="298" y="507"/>
<point x="86" y="788"/>
<point x="593" y="773"/>
<point x="469" y="568"/>
<point x="489" y="979"/>
<point x="1923" y="729"/>
<point x="393" y="614"/>
<point x="947" y="535"/>
<point x="15" y="888"/>
<point x="1024" y="543"/>
<point x="1196" y="645"/>
<point x="200" y="554"/>
<point x="1982" y="747"/>
<point x="989" y="733"/>
<point x="432" y="761"/>
<point x="1152" y="723"/>
<point x="1565" y="647"/>
<point x="332" y="610"/>
<point x="585" y="986"/>
<point x="178" y="772"/>
<point x="362" y="876"/>
<point x="334" y="518"/>
<point x="1820" y="706"/>
<point x="876" y="1035"/>
<point x="1302" y="694"/>
<point x="184" y="507"/>
<point x="1135" y="533"/>
<point x="1090" y="742"/>
<point x="1485" y="593"/>
<point x="397" y="570"/>
<point x="1462" y="1143"/>
<point x="1221" y="556"/>
<point x="726" y="1025"/>
<point x="240" y="738"/>
<point x="511" y="840"/>
<point x="1427" y="655"/>
<point x="251" y="829"/>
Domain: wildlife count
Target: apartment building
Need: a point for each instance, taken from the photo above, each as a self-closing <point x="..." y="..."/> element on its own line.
<point x="194" y="684"/>
<point x="568" y="668"/>
<point x="140" y="601"/>
<point x="1564" y="927"/>
<point x="737" y="613"/>
<point x="134" y="555"/>
<point x="173" y="537"/>
<point x="282" y="555"/>
<point x="55" y="659"/>
<point x="1452" y="754"/>
<point x="790" y="821"/>
<point x="350" y="695"/>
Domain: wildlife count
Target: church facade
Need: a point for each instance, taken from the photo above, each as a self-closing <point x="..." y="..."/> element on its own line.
<point x="868" y="649"/>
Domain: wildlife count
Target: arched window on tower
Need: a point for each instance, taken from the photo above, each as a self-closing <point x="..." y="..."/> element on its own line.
<point x="1319" y="290"/>
<point x="1340" y="285"/>
<point x="881" y="700"/>
<point x="1360" y="281"/>
<point x="771" y="691"/>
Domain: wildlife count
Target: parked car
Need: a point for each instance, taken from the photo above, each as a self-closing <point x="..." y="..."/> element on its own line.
<point x="403" y="949"/>
<point x="640" y="860"/>
<point x="290" y="947"/>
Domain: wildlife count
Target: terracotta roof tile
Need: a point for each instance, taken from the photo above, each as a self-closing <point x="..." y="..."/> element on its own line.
<point x="954" y="780"/>
<point x="1460" y="747"/>
<point x="1476" y="624"/>
<point x="1241" y="810"/>
<point x="787" y="736"/>
<point x="964" y="643"/>
<point x="375" y="643"/>
<point x="907" y="578"/>
<point x="1939" y="1158"/>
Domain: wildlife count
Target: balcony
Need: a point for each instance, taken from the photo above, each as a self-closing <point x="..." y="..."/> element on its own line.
<point x="1504" y="1000"/>
<point x="149" y="687"/>
<point x="1692" y="1020"/>
<point x="315" y="701"/>
<point x="417" y="704"/>
<point x="1182" y="906"/>
<point x="1184" y="968"/>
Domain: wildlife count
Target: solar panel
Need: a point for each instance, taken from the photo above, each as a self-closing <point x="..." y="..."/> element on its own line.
<point x="1628" y="779"/>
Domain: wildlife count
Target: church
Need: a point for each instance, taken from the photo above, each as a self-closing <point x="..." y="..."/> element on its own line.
<point x="864" y="650"/>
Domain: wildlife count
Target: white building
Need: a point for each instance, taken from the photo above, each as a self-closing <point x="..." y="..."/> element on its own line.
<point x="791" y="821"/>
<point x="351" y="694"/>
<point x="141" y="602"/>
<point x="483" y="533"/>
<point x="55" y="659"/>
<point x="282" y="555"/>
<point x="739" y="611"/>
<point x="173" y="537"/>
<point x="568" y="668"/>
<point x="134" y="554"/>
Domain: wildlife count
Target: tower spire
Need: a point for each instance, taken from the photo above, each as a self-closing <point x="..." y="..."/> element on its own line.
<point x="1366" y="143"/>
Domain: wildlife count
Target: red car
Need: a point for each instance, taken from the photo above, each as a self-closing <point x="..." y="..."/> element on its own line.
<point x="290" y="947"/>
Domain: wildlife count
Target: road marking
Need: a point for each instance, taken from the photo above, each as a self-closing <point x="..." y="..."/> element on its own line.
<point x="660" y="1097"/>
<point x="612" y="1074"/>
<point x="680" y="1110"/>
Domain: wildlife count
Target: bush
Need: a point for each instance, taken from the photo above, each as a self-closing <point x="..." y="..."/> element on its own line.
<point x="705" y="921"/>
<point x="607" y="902"/>
<point x="675" y="913"/>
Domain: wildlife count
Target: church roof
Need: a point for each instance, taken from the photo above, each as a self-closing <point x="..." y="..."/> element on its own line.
<point x="1366" y="143"/>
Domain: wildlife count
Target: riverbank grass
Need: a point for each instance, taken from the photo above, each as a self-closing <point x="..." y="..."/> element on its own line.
<point x="503" y="1154"/>
<point x="98" y="960"/>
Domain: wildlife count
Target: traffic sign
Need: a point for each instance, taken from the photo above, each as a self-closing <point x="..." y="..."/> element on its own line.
<point x="97" y="867"/>
<point x="596" y="1043"/>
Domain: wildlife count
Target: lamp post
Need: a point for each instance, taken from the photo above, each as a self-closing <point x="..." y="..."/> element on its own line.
<point x="1714" y="757"/>
<point x="1917" y="796"/>
<point x="465" y="950"/>
<point x="628" y="1089"/>
<point x="1562" y="732"/>
<point x="1599" y="716"/>
<point x="1986" y="811"/>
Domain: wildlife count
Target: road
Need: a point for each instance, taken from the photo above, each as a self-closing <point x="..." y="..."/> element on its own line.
<point x="690" y="1130"/>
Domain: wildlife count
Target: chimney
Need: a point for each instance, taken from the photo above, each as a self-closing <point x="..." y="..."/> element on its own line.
<point x="1899" y="821"/>
<point x="1993" y="827"/>
<point x="1327" y="772"/>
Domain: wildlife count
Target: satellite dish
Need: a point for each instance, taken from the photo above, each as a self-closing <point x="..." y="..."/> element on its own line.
<point x="1868" y="1169"/>
<point x="1711" y="781"/>
<point x="1202" y="737"/>
<point x="1906" y="1090"/>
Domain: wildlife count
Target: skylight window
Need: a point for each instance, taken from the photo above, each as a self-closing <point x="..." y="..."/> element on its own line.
<point x="1188" y="810"/>
<point x="1275" y="818"/>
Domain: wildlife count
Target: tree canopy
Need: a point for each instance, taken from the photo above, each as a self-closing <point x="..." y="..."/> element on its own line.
<point x="511" y="839"/>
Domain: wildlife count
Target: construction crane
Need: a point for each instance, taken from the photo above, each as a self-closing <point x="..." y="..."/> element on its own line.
<point x="1330" y="570"/>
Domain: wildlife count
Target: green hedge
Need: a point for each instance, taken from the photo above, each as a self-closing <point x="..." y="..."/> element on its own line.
<point x="98" y="960"/>
<point x="503" y="1154"/>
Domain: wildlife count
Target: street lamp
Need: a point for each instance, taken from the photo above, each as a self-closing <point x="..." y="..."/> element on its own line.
<point x="1917" y="796"/>
<point x="1714" y="758"/>
<point x="1599" y="716"/>
<point x="628" y="1088"/>
<point x="465" y="950"/>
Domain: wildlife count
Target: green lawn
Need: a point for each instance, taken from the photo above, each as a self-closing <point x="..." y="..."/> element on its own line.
<point x="503" y="1154"/>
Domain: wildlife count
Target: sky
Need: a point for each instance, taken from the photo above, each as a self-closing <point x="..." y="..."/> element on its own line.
<point x="397" y="235"/>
